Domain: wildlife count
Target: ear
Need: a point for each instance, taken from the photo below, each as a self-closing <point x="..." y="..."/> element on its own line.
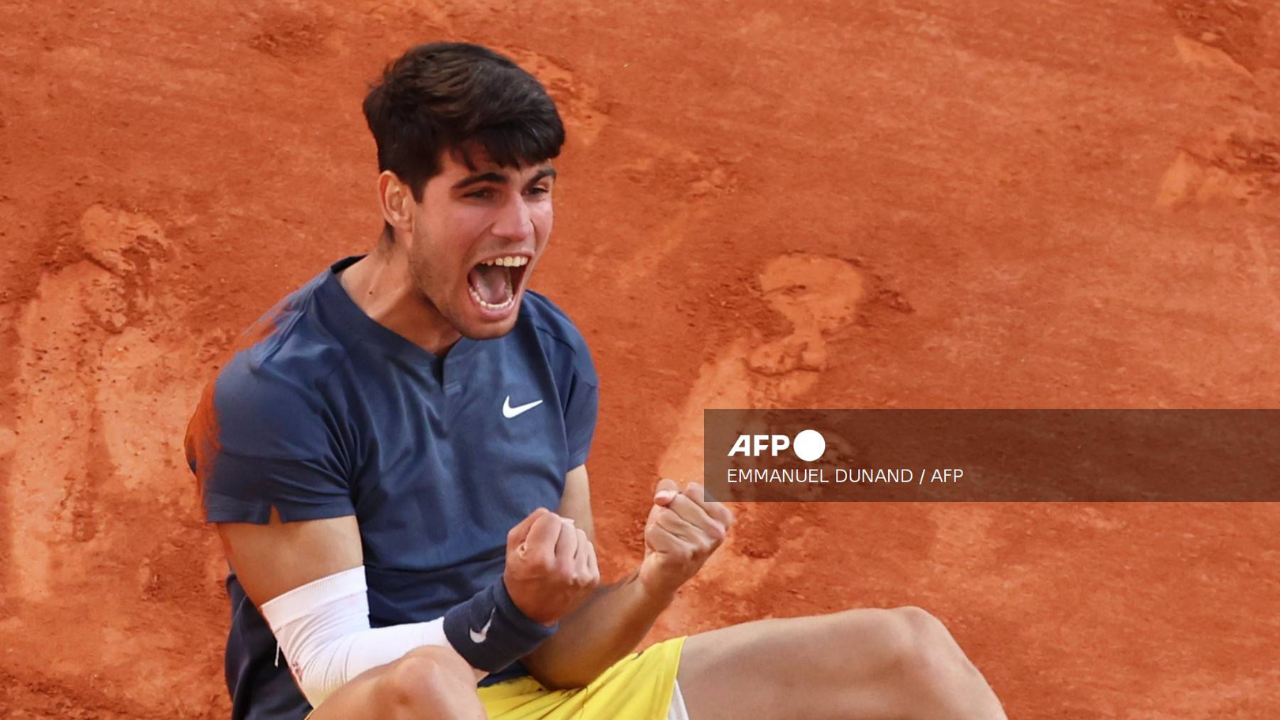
<point x="397" y="201"/>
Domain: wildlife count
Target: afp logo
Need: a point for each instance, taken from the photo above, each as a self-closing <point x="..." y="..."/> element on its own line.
<point x="808" y="445"/>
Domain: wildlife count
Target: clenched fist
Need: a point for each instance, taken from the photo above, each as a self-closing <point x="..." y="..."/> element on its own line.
<point x="682" y="531"/>
<point x="551" y="566"/>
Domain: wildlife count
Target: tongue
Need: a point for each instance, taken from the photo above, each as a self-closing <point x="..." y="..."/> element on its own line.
<point x="493" y="283"/>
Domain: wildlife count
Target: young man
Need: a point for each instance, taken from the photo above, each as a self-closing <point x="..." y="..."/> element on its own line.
<point x="396" y="465"/>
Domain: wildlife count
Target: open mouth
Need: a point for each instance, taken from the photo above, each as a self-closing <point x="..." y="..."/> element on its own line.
<point x="494" y="284"/>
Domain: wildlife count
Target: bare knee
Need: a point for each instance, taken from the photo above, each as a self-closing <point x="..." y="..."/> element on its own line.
<point x="926" y="646"/>
<point x="900" y="637"/>
<point x="936" y="670"/>
<point x="912" y="657"/>
<point x="928" y="637"/>
<point x="423" y="683"/>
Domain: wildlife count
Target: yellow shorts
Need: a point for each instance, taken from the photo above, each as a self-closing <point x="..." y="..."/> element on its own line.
<point x="637" y="687"/>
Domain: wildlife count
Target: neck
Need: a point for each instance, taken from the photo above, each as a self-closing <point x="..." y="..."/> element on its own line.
<point x="381" y="284"/>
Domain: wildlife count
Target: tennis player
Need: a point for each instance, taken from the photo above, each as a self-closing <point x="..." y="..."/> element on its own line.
<point x="395" y="460"/>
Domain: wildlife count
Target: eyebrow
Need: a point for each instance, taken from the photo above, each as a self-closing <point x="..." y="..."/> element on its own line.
<point x="494" y="177"/>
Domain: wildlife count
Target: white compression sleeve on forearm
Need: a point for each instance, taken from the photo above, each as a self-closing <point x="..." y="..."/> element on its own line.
<point x="323" y="629"/>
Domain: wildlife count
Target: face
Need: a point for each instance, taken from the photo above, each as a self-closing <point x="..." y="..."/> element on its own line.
<point x="477" y="235"/>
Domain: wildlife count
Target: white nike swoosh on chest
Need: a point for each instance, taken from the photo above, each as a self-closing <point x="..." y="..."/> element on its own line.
<point x="510" y="412"/>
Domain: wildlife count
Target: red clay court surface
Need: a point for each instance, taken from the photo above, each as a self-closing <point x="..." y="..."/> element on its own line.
<point x="902" y="204"/>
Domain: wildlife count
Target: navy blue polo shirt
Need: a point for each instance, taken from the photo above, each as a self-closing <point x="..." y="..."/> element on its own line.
<point x="327" y="413"/>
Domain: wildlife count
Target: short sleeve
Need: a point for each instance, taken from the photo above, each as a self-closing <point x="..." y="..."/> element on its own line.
<point x="581" y="408"/>
<point x="580" y="394"/>
<point x="258" y="441"/>
<point x="577" y="384"/>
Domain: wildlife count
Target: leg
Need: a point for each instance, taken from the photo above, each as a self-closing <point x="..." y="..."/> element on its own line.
<point x="427" y="684"/>
<point x="857" y="664"/>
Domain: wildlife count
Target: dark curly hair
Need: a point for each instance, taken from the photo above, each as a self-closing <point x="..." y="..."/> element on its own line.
<point x="443" y="96"/>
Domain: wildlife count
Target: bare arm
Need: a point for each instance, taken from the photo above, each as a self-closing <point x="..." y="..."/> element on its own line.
<point x="272" y="559"/>
<point x="607" y="626"/>
<point x="546" y="577"/>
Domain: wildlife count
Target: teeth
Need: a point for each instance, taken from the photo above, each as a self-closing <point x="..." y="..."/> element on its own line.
<point x="491" y="306"/>
<point x="508" y="261"/>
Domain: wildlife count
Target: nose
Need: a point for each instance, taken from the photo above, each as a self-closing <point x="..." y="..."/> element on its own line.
<point x="514" y="220"/>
